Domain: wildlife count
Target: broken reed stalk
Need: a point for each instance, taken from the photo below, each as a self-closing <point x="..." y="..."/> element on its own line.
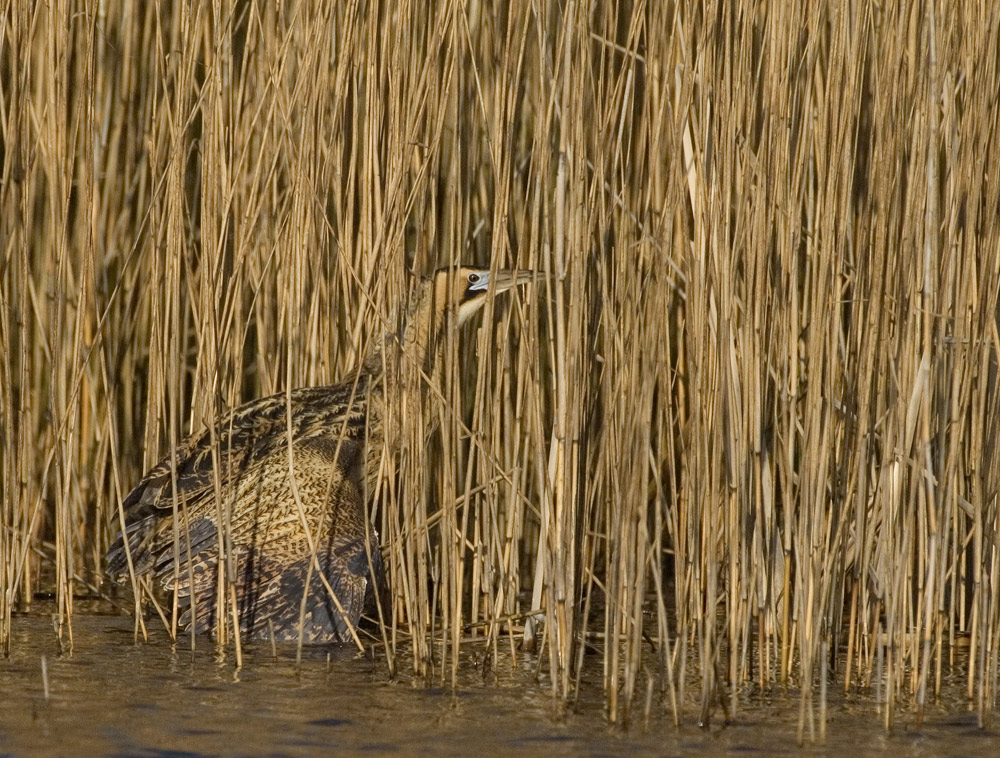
<point x="754" y="396"/>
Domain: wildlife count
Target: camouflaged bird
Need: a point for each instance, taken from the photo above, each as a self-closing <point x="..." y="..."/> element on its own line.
<point x="300" y="541"/>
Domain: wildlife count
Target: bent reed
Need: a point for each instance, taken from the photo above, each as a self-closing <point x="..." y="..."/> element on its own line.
<point x="740" y="434"/>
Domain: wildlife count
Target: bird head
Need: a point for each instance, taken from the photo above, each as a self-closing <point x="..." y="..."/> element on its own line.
<point x="465" y="289"/>
<point x="456" y="290"/>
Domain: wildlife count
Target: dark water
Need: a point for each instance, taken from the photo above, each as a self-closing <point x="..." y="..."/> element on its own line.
<point x="113" y="697"/>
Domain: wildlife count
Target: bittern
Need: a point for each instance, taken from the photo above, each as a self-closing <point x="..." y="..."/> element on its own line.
<point x="303" y="556"/>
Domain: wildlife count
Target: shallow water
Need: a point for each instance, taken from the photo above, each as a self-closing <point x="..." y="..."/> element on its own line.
<point x="113" y="697"/>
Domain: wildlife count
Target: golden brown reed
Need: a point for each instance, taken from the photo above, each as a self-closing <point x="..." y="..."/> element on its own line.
<point x="749" y="416"/>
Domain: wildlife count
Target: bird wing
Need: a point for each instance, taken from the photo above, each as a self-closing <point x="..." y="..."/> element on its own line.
<point x="300" y="552"/>
<point x="247" y="438"/>
<point x="295" y="519"/>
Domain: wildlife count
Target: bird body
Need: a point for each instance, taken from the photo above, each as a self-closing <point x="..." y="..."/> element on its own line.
<point x="292" y="476"/>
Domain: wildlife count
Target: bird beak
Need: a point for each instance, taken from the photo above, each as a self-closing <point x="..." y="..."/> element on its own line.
<point x="505" y="280"/>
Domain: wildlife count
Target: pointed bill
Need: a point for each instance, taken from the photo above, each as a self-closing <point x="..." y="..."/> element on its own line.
<point x="504" y="280"/>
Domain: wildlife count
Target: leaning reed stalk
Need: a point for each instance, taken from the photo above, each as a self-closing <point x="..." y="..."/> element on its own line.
<point x="747" y="412"/>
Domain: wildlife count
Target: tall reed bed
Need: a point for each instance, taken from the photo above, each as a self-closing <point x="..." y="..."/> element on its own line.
<point x="742" y="433"/>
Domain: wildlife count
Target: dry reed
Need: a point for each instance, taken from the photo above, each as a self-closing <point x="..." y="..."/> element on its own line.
<point x="755" y="395"/>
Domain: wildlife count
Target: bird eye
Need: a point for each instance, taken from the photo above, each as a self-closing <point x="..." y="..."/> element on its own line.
<point x="473" y="278"/>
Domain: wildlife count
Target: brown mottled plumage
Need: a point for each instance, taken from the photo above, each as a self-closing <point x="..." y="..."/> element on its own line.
<point x="299" y="537"/>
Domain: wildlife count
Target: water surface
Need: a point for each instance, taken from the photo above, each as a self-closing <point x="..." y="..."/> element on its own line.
<point x="113" y="697"/>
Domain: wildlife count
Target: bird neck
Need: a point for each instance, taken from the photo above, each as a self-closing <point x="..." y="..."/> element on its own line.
<point x="422" y="331"/>
<point x="408" y="347"/>
<point x="396" y="369"/>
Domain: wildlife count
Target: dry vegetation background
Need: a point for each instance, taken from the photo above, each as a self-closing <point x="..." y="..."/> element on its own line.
<point x="744" y="431"/>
